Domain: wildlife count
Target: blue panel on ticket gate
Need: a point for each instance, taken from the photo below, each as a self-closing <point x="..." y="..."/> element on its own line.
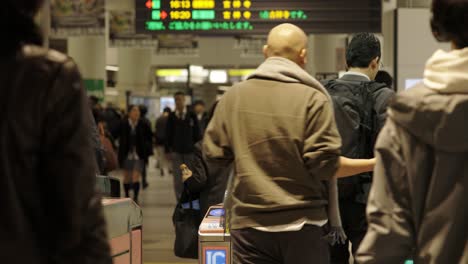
<point x="217" y="212"/>
<point x="217" y="256"/>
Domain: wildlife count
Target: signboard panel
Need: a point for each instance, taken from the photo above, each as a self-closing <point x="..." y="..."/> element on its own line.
<point x="77" y="17"/>
<point x="239" y="17"/>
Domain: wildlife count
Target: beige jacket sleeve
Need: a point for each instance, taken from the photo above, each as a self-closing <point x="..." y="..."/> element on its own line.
<point x="390" y="235"/>
<point x="216" y="143"/>
<point x="322" y="141"/>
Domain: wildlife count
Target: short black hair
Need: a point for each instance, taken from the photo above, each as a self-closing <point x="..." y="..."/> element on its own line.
<point x="130" y="107"/>
<point x="199" y="102"/>
<point x="450" y="21"/>
<point x="178" y="94"/>
<point x="17" y="19"/>
<point x="143" y="110"/>
<point x="363" y="48"/>
<point x="167" y="110"/>
<point x="384" y="77"/>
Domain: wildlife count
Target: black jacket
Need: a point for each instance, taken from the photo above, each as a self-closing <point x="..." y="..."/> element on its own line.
<point x="143" y="135"/>
<point x="50" y="210"/>
<point x="209" y="180"/>
<point x="182" y="134"/>
<point x="160" y="130"/>
<point x="354" y="145"/>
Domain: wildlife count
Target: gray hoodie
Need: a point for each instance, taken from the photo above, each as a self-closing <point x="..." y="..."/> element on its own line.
<point x="417" y="206"/>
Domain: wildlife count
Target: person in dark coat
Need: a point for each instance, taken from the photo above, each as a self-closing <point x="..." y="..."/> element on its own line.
<point x="148" y="142"/>
<point x="133" y="150"/>
<point x="51" y="212"/>
<point x="160" y="138"/>
<point x="182" y="133"/>
<point x="206" y="180"/>
<point x="202" y="116"/>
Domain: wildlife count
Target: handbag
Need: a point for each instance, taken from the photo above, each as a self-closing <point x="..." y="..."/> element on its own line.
<point x="186" y="223"/>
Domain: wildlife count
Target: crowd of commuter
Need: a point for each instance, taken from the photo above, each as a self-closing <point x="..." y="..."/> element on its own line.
<point x="291" y="158"/>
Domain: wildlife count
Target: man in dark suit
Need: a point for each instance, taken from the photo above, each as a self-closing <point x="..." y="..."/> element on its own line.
<point x="182" y="133"/>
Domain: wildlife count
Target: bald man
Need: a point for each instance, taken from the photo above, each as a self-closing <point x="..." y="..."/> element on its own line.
<point x="279" y="128"/>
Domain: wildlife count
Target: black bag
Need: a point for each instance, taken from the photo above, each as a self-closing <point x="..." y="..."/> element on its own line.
<point x="186" y="223"/>
<point x="356" y="120"/>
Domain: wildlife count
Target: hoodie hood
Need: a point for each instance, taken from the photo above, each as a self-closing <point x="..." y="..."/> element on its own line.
<point x="436" y="112"/>
<point x="447" y="72"/>
<point x="284" y="70"/>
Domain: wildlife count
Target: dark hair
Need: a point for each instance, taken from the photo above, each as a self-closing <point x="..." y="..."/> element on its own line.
<point x="93" y="100"/>
<point x="143" y="110"/>
<point x="179" y="93"/>
<point x="17" y="19"/>
<point x="363" y="48"/>
<point x="450" y="21"/>
<point x="167" y="110"/>
<point x="199" y="102"/>
<point x="384" y="77"/>
<point x="98" y="115"/>
<point x="130" y="107"/>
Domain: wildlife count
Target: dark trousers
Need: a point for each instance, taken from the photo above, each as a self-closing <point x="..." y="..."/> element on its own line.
<point x="251" y="246"/>
<point x="353" y="216"/>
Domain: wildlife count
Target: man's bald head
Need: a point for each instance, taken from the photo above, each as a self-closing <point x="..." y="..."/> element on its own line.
<point x="287" y="41"/>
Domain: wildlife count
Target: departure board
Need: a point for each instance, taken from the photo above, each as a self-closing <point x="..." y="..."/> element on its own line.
<point x="240" y="17"/>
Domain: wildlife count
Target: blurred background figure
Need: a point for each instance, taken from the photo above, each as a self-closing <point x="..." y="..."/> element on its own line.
<point x="112" y="117"/>
<point x="199" y="109"/>
<point x="386" y="78"/>
<point x="52" y="213"/>
<point x="163" y="162"/>
<point x="110" y="157"/>
<point x="148" y="138"/>
<point x="133" y="150"/>
<point x="182" y="133"/>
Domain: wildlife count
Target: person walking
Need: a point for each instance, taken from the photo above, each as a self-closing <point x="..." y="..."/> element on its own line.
<point x="51" y="211"/>
<point x="148" y="137"/>
<point x="360" y="106"/>
<point x="182" y="133"/>
<point x="160" y="138"/>
<point x="199" y="108"/>
<point x="279" y="130"/>
<point x="133" y="150"/>
<point x="417" y="205"/>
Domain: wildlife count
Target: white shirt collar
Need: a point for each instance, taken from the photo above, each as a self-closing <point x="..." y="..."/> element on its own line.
<point x="358" y="74"/>
<point x="181" y="115"/>
<point x="132" y="125"/>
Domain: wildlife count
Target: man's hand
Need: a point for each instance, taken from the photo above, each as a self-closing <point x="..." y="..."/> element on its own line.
<point x="186" y="173"/>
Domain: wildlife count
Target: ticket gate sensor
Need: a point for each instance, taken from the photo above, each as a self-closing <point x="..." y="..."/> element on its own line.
<point x="214" y="238"/>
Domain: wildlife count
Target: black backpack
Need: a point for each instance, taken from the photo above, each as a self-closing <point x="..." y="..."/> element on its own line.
<point x="356" y="119"/>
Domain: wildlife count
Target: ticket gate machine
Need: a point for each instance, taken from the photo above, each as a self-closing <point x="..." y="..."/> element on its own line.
<point x="214" y="238"/>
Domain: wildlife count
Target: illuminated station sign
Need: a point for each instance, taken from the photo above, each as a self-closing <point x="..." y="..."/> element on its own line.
<point x="239" y="17"/>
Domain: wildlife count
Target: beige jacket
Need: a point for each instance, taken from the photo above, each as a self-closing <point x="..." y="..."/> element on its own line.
<point x="418" y="202"/>
<point x="280" y="129"/>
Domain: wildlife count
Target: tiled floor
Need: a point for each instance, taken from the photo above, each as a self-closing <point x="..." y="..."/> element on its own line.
<point x="158" y="202"/>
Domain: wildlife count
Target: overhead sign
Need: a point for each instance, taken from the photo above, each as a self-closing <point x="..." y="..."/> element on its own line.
<point x="238" y="17"/>
<point x="122" y="31"/>
<point x="77" y="17"/>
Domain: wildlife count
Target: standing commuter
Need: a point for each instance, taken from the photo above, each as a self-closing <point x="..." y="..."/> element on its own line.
<point x="279" y="128"/>
<point x="160" y="138"/>
<point x="417" y="205"/>
<point x="200" y="111"/>
<point x="51" y="212"/>
<point x="360" y="111"/>
<point x="133" y="150"/>
<point x="148" y="143"/>
<point x="182" y="133"/>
